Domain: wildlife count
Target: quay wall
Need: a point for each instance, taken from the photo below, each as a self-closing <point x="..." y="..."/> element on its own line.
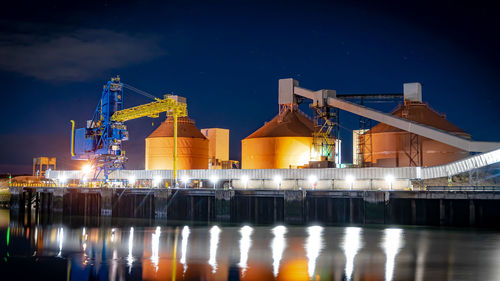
<point x="94" y="206"/>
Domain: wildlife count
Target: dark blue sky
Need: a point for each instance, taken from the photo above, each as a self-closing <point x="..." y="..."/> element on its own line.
<point x="227" y="57"/>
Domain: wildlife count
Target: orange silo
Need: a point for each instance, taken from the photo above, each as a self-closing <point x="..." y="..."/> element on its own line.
<point x="192" y="146"/>
<point x="387" y="146"/>
<point x="282" y="143"/>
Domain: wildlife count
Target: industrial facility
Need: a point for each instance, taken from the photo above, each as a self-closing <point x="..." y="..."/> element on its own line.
<point x="290" y="151"/>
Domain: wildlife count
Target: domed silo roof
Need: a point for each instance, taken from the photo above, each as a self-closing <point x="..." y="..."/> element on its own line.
<point x="282" y="143"/>
<point x="390" y="146"/>
<point x="192" y="146"/>
<point x="420" y="113"/>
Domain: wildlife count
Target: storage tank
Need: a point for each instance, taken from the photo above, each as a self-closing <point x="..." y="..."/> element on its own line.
<point x="387" y="146"/>
<point x="192" y="146"/>
<point x="282" y="143"/>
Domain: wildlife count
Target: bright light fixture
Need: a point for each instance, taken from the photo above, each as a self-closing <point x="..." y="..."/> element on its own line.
<point x="277" y="179"/>
<point x="350" y="179"/>
<point x="244" y="180"/>
<point x="389" y="178"/>
<point x="214" y="179"/>
<point x="86" y="169"/>
<point x="131" y="180"/>
<point x="156" y="180"/>
<point x="62" y="179"/>
<point x="313" y="179"/>
<point x="185" y="179"/>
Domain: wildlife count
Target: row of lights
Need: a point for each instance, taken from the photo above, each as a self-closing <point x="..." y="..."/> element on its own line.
<point x="277" y="179"/>
<point x="313" y="180"/>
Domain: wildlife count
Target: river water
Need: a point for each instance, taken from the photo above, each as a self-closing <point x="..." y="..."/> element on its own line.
<point x="244" y="252"/>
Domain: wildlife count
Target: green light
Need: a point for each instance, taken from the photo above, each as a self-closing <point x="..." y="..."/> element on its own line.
<point x="8" y="236"/>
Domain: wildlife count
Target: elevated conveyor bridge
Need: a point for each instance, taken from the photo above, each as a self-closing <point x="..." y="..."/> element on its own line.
<point x="289" y="92"/>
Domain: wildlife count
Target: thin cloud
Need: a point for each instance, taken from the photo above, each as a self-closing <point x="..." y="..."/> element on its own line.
<point x="76" y="55"/>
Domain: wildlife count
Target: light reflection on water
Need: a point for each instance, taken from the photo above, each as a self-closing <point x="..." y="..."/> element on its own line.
<point x="155" y="245"/>
<point x="278" y="246"/>
<point x="351" y="246"/>
<point x="258" y="253"/>
<point x="391" y="244"/>
<point x="185" y="237"/>
<point x="130" y="257"/>
<point x="313" y="246"/>
<point x="214" y="242"/>
<point x="245" y="243"/>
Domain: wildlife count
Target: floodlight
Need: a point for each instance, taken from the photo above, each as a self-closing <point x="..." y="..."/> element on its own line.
<point x="350" y="180"/>
<point x="131" y="180"/>
<point x="86" y="169"/>
<point x="313" y="180"/>
<point x="156" y="181"/>
<point x="185" y="180"/>
<point x="277" y="180"/>
<point x="244" y="180"/>
<point x="389" y="179"/>
<point x="214" y="179"/>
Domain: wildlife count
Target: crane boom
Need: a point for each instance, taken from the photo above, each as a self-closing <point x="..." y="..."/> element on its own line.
<point x="152" y="109"/>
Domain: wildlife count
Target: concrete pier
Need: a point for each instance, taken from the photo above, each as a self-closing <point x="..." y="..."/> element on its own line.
<point x="97" y="205"/>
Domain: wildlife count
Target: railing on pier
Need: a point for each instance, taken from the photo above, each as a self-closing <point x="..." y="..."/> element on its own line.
<point x="464" y="188"/>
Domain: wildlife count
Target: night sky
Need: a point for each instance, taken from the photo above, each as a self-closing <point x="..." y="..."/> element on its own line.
<point x="227" y="57"/>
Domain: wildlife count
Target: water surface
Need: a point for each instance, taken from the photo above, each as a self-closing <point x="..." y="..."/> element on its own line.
<point x="244" y="252"/>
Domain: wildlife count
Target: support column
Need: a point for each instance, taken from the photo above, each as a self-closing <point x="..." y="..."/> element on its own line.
<point x="293" y="205"/>
<point x="472" y="213"/>
<point x="106" y="202"/>
<point x="223" y="205"/>
<point x="16" y="203"/>
<point x="29" y="198"/>
<point x="442" y="212"/>
<point x="374" y="205"/>
<point x="351" y="209"/>
<point x="58" y="204"/>
<point x="161" y="197"/>
<point x="413" y="212"/>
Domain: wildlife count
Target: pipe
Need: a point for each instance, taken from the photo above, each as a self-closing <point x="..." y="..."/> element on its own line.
<point x="72" y="138"/>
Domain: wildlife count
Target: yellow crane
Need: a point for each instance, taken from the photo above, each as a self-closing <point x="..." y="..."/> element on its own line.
<point x="171" y="105"/>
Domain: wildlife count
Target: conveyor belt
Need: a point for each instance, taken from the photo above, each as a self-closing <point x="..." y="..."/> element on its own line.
<point x="413" y="127"/>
